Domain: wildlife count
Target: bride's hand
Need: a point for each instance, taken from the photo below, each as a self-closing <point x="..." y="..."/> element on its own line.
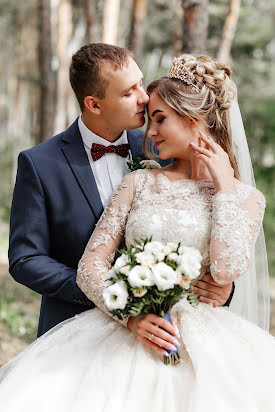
<point x="217" y="162"/>
<point x="147" y="329"/>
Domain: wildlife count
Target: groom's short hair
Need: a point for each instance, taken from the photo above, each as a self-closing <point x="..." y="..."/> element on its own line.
<point x="85" y="71"/>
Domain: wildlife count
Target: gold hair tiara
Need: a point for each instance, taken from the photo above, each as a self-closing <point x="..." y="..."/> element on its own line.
<point x="179" y="71"/>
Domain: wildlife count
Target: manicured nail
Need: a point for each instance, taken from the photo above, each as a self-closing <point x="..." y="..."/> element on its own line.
<point x="165" y="353"/>
<point x="177" y="331"/>
<point x="176" y="342"/>
<point x="173" y="347"/>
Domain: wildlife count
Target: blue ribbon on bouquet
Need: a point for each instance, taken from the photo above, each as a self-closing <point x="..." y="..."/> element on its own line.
<point x="173" y="355"/>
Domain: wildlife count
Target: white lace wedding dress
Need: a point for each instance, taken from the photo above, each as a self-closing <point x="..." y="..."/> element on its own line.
<point x="92" y="362"/>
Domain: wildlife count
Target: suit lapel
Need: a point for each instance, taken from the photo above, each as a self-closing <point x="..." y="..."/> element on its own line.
<point x="135" y="141"/>
<point x="76" y="156"/>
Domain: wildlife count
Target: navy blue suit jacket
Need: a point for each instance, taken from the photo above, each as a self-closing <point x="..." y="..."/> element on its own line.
<point x="55" y="207"/>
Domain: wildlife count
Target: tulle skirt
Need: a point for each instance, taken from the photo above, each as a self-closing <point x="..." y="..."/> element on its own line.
<point x="91" y="362"/>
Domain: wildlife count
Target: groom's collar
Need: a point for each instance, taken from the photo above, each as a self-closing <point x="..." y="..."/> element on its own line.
<point x="134" y="137"/>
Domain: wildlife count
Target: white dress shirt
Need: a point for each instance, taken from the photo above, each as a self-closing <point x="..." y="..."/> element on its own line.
<point x="111" y="168"/>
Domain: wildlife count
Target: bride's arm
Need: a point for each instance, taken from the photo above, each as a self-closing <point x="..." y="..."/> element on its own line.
<point x="106" y="238"/>
<point x="235" y="228"/>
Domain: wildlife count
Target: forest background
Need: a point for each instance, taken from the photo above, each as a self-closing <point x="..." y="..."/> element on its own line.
<point x="38" y="38"/>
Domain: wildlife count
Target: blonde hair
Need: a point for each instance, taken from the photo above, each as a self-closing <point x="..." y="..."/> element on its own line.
<point x="207" y="100"/>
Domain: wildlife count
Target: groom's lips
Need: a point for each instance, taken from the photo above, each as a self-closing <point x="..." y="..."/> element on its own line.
<point x="141" y="113"/>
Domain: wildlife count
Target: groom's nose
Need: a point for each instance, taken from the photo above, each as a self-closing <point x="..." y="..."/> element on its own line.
<point x="143" y="97"/>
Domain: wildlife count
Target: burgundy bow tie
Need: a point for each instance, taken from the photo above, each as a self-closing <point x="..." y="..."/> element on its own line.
<point x="98" y="150"/>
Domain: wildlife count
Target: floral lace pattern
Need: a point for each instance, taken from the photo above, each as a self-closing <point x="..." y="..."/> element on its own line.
<point x="223" y="226"/>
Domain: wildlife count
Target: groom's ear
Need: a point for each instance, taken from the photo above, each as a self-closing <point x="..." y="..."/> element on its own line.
<point x="92" y="104"/>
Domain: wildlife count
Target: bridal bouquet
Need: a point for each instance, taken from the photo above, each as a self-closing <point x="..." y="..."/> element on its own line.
<point x="150" y="277"/>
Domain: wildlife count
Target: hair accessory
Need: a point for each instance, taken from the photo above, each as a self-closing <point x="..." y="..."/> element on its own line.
<point x="179" y="71"/>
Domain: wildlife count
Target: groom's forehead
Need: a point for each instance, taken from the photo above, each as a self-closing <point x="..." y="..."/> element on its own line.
<point x="122" y="78"/>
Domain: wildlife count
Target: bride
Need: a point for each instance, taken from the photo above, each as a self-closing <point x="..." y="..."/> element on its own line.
<point x="93" y="362"/>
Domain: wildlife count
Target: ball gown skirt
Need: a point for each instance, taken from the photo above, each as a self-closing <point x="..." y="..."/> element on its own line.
<point x="91" y="362"/>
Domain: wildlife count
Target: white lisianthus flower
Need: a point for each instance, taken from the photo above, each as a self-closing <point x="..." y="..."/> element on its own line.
<point x="160" y="256"/>
<point x="174" y="257"/>
<point x="145" y="258"/>
<point x="121" y="261"/>
<point x="185" y="282"/>
<point x="140" y="276"/>
<point x="125" y="270"/>
<point x="153" y="247"/>
<point x="164" y="276"/>
<point x="140" y="293"/>
<point x="150" y="164"/>
<point x="189" y="262"/>
<point x="172" y="246"/>
<point x="116" y="295"/>
<point x="111" y="273"/>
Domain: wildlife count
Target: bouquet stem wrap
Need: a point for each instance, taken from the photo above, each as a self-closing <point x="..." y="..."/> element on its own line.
<point x="173" y="356"/>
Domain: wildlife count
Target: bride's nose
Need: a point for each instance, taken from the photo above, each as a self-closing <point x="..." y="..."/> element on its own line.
<point x="152" y="132"/>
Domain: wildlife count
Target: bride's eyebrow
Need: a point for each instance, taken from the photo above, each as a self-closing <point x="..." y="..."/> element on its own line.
<point x="155" y="112"/>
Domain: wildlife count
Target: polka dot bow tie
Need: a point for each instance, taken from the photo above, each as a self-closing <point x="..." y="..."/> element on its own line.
<point x="98" y="150"/>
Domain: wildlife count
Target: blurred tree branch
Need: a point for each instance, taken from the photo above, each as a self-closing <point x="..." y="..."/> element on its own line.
<point x="229" y="29"/>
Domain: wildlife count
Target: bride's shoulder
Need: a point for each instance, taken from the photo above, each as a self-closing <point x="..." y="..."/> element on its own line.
<point x="249" y="192"/>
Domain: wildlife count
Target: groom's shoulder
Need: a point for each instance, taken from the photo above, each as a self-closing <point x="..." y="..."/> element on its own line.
<point x="136" y="133"/>
<point x="54" y="143"/>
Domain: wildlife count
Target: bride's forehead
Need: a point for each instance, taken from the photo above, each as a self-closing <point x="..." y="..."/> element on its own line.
<point x="156" y="103"/>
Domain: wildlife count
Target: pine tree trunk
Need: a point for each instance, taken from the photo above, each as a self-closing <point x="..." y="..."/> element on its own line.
<point x="195" y="26"/>
<point x="63" y="87"/>
<point x="89" y="12"/>
<point x="110" y="21"/>
<point x="229" y="29"/>
<point x="137" y="29"/>
<point x="46" y="112"/>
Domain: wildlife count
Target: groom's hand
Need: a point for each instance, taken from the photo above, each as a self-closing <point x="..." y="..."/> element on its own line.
<point x="212" y="292"/>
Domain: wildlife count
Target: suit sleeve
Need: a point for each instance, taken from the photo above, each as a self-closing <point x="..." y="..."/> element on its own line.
<point x="29" y="248"/>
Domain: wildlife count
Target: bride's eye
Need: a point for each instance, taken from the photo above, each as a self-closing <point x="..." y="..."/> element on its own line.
<point x="160" y="120"/>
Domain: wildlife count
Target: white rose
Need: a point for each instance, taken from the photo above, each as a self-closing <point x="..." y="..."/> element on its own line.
<point x="121" y="261"/>
<point x="139" y="293"/>
<point x="185" y="282"/>
<point x="153" y="247"/>
<point x="116" y="295"/>
<point x="140" y="276"/>
<point x="173" y="256"/>
<point x="125" y="270"/>
<point x="145" y="258"/>
<point x="150" y="164"/>
<point x="164" y="276"/>
<point x="189" y="262"/>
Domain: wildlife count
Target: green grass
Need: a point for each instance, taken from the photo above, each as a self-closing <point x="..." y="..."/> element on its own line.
<point x="19" y="309"/>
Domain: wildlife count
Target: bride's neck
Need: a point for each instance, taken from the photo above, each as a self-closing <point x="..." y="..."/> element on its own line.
<point x="187" y="170"/>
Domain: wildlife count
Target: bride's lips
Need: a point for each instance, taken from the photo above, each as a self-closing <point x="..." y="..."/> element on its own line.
<point x="158" y="143"/>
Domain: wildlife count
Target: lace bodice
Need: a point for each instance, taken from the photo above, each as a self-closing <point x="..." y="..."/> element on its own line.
<point x="223" y="226"/>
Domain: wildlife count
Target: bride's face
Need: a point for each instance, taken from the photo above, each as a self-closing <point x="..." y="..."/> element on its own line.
<point x="172" y="134"/>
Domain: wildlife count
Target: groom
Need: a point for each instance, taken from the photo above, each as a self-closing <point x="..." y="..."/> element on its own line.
<point x="63" y="184"/>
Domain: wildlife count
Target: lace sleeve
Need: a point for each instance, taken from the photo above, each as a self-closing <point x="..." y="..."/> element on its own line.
<point x="235" y="227"/>
<point x="106" y="238"/>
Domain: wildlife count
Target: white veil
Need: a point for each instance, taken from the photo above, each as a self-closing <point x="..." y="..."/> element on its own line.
<point x="251" y="296"/>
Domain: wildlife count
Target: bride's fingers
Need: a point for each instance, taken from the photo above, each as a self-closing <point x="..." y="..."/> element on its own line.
<point x="162" y="343"/>
<point x="160" y="322"/>
<point x="202" y="150"/>
<point x="210" y="142"/>
<point x="151" y="345"/>
<point x="160" y="333"/>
